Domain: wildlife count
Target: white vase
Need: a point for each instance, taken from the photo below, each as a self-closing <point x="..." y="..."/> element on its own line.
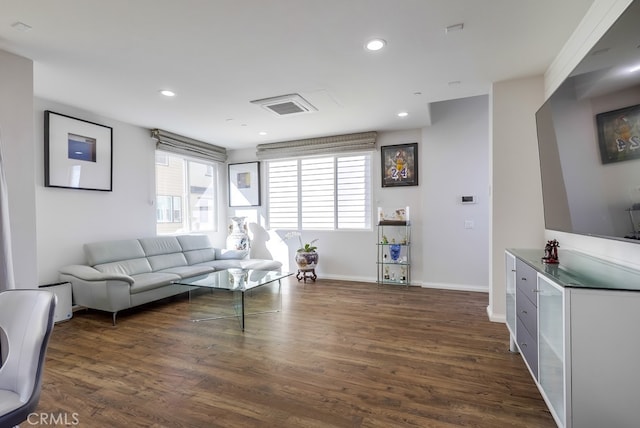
<point x="238" y="238"/>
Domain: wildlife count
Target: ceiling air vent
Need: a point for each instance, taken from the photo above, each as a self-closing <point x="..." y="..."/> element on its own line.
<point x="286" y="105"/>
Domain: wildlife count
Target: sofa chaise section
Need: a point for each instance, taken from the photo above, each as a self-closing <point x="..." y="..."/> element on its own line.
<point x="126" y="273"/>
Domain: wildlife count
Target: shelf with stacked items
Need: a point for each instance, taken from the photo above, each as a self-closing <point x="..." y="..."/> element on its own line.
<point x="394" y="253"/>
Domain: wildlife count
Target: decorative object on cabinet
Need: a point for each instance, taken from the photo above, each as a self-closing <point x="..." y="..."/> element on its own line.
<point x="618" y="134"/>
<point x="244" y="184"/>
<point x="551" y="252"/>
<point x="77" y="153"/>
<point x="399" y="165"/>
<point x="398" y="216"/>
<point x="394" y="260"/>
<point x="238" y="238"/>
<point x="394" y="252"/>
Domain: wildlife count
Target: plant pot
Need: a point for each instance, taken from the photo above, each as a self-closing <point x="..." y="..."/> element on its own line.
<point x="306" y="260"/>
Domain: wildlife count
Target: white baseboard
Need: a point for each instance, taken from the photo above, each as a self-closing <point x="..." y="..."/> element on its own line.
<point x="495" y="318"/>
<point x="438" y="285"/>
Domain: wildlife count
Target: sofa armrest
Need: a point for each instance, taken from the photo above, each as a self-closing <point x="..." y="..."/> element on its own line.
<point x="87" y="273"/>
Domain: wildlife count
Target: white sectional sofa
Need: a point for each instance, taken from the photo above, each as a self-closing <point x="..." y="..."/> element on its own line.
<point x="127" y="273"/>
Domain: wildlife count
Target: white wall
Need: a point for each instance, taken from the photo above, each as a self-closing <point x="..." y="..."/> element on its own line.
<point x="517" y="219"/>
<point x="69" y="218"/>
<point x="453" y="162"/>
<point x="65" y="219"/>
<point x="16" y="138"/>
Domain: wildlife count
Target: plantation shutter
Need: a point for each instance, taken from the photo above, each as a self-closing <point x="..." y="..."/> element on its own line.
<point x="363" y="141"/>
<point x="174" y="143"/>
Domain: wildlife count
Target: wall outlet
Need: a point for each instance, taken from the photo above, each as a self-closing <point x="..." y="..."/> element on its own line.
<point x="469" y="224"/>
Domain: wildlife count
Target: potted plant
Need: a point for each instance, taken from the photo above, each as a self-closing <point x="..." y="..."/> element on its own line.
<point x="306" y="255"/>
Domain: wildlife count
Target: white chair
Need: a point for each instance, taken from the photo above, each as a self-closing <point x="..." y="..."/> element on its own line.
<point x="26" y="321"/>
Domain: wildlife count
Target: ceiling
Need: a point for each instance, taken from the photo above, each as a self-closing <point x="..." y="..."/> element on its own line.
<point x="113" y="57"/>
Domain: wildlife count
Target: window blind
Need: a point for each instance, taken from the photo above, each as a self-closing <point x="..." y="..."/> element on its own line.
<point x="174" y="143"/>
<point x="363" y="141"/>
<point x="332" y="192"/>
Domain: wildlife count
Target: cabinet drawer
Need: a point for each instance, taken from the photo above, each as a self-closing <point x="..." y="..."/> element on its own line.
<point x="527" y="312"/>
<point x="526" y="280"/>
<point x="528" y="347"/>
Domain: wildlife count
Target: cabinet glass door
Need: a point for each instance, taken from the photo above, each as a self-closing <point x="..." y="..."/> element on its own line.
<point x="551" y="357"/>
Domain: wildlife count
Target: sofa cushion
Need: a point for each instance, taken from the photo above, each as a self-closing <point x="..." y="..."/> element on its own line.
<point x="112" y="251"/>
<point x="223" y="254"/>
<point x="160" y="245"/>
<point x="198" y="256"/>
<point x="151" y="280"/>
<point x="194" y="242"/>
<point x="126" y="267"/>
<point x="164" y="261"/>
<point x="187" y="271"/>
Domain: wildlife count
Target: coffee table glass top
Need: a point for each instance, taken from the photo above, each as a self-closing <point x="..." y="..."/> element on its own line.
<point x="234" y="279"/>
<point x="238" y="281"/>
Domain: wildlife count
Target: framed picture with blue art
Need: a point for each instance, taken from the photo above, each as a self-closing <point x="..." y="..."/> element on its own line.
<point x="399" y="165"/>
<point x="78" y="154"/>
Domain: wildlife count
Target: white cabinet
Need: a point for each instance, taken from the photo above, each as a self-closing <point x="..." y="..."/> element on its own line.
<point x="588" y="347"/>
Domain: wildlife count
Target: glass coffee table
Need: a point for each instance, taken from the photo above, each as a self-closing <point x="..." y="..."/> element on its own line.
<point x="240" y="282"/>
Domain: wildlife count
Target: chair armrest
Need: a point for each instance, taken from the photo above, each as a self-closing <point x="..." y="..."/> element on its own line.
<point x="87" y="273"/>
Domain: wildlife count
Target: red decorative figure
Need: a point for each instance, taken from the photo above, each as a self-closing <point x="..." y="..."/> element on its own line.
<point x="551" y="252"/>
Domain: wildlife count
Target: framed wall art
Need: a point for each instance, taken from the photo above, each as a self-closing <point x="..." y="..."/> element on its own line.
<point x="244" y="184"/>
<point x="619" y="134"/>
<point x="78" y="154"/>
<point x="399" y="165"/>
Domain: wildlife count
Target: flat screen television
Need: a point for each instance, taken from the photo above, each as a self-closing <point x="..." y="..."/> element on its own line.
<point x="589" y="139"/>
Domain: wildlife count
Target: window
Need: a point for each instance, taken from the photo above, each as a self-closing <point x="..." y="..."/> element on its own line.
<point x="186" y="194"/>
<point x="168" y="209"/>
<point x="331" y="192"/>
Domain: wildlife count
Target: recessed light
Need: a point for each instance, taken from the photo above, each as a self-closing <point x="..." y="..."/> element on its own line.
<point x="262" y="133"/>
<point x="167" y="93"/>
<point x="403" y="114"/>
<point x="375" y="44"/>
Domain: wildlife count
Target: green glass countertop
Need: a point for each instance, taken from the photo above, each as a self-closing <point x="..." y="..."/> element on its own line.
<point x="581" y="270"/>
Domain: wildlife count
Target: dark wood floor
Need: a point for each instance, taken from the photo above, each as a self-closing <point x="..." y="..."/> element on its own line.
<point x="339" y="354"/>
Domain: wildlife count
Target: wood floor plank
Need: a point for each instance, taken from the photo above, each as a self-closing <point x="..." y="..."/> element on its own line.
<point x="339" y="354"/>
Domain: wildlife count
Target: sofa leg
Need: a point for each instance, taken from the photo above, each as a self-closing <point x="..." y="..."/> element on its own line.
<point x="114" y="318"/>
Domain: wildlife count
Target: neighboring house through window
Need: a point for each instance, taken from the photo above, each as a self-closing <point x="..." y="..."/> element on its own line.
<point x="186" y="194"/>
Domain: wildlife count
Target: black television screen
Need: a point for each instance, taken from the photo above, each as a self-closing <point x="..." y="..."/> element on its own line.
<point x="588" y="135"/>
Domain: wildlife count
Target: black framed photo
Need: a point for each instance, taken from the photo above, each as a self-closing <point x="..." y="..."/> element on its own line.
<point x="399" y="165"/>
<point x="244" y="184"/>
<point x="619" y="134"/>
<point x="78" y="154"/>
